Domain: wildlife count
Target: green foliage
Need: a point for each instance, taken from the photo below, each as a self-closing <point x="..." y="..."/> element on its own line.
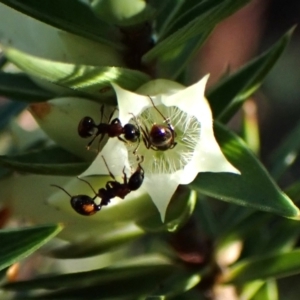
<point x="254" y="188"/>
<point x="16" y="244"/>
<point x="249" y="240"/>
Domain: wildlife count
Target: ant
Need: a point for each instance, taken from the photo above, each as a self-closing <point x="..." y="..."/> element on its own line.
<point x="86" y="205"/>
<point x="160" y="137"/>
<point x="87" y="128"/>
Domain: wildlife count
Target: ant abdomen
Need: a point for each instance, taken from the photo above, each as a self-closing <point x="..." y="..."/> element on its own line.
<point x="84" y="205"/>
<point x="87" y="127"/>
<point x="135" y="181"/>
<point x="161" y="137"/>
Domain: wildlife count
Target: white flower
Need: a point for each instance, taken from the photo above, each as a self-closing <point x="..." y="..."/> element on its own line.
<point x="187" y="110"/>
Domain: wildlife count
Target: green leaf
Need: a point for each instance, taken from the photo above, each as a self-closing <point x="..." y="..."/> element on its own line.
<point x="283" y="236"/>
<point x="166" y="12"/>
<point x="286" y="153"/>
<point x="172" y="68"/>
<point x="179" y="211"/>
<point x="293" y="191"/>
<point x="103" y="276"/>
<point x="21" y="88"/>
<point x="243" y="230"/>
<point x="268" y="291"/>
<point x="164" y="50"/>
<point x="107" y="242"/>
<point x="101" y="284"/>
<point x="48" y="161"/>
<point x="57" y="13"/>
<point x="177" y="284"/>
<point x="249" y="289"/>
<point x="264" y="267"/>
<point x="91" y="81"/>
<point x="17" y="244"/>
<point x="253" y="188"/>
<point x="227" y="96"/>
<point x="188" y="11"/>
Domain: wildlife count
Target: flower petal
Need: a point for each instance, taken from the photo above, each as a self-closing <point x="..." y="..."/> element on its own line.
<point x="116" y="157"/>
<point x="129" y="103"/>
<point x="190" y="100"/>
<point x="161" y="188"/>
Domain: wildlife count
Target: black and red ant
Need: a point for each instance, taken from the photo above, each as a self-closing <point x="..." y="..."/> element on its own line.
<point x="160" y="137"/>
<point x="87" y="128"/>
<point x="85" y="205"/>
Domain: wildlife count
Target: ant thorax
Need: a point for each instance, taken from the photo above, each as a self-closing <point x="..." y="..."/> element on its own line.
<point x="168" y="144"/>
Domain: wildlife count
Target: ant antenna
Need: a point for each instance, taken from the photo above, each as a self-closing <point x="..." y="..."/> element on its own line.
<point x="87" y="184"/>
<point x="61" y="189"/>
<point x="167" y="120"/>
<point x="110" y="173"/>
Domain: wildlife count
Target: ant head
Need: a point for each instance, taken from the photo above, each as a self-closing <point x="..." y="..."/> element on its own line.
<point x="86" y="127"/>
<point x="131" y="132"/>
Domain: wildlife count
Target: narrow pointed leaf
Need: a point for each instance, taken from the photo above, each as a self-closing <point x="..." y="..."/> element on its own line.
<point x="206" y="21"/>
<point x="167" y="11"/>
<point x="21" y="88"/>
<point x="188" y="11"/>
<point x="270" y="266"/>
<point x="253" y="188"/>
<point x="92" y="81"/>
<point x="227" y="96"/>
<point x="268" y="291"/>
<point x="17" y="244"/>
<point x="87" y="278"/>
<point x="293" y="191"/>
<point x="49" y="161"/>
<point x="176" y="65"/>
<point x="125" y="279"/>
<point x="286" y="153"/>
<point x="57" y="13"/>
<point x="91" y="247"/>
<point x="177" y="284"/>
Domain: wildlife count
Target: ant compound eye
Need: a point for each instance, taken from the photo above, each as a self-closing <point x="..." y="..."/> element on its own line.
<point x="131" y="132"/>
<point x="86" y="127"/>
<point x="84" y="205"/>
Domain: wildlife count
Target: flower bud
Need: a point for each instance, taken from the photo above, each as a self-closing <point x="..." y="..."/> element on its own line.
<point x="60" y="117"/>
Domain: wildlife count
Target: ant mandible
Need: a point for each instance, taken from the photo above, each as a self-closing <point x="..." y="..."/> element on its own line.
<point x="85" y="205"/>
<point x="87" y="128"/>
<point x="160" y="137"/>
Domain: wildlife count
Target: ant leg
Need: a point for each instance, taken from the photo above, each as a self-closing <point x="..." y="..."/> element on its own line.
<point x="101" y="112"/>
<point x="96" y="195"/>
<point x="91" y="142"/>
<point x="125" y="176"/>
<point x="140" y="160"/>
<point x="111" y="115"/>
<point x="100" y="140"/>
<point x="110" y="173"/>
<point x="145" y="136"/>
<point x="121" y="139"/>
<point x="137" y="147"/>
<point x="173" y="145"/>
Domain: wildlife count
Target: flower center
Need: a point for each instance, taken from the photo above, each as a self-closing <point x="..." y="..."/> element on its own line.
<point x="167" y="144"/>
